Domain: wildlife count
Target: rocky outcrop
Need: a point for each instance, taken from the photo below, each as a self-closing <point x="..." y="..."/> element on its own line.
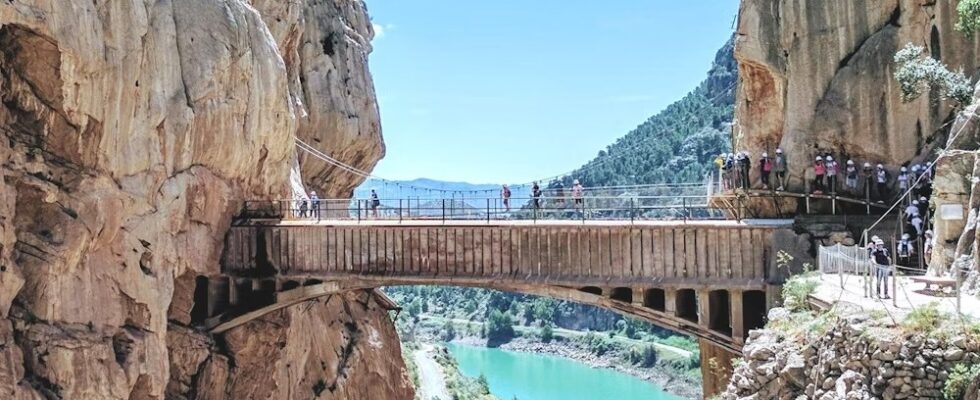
<point x="817" y="76"/>
<point x="133" y="131"/>
<point x="850" y="361"/>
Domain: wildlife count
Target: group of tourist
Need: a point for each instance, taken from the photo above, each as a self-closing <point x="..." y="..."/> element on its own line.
<point x="578" y="195"/>
<point x="860" y="179"/>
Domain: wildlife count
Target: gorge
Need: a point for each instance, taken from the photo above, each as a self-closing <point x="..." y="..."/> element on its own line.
<point x="135" y="131"/>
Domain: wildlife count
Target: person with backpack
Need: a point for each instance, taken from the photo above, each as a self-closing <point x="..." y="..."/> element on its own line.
<point x="832" y="171"/>
<point x="536" y="195"/>
<point x="781" y="166"/>
<point x="375" y="203"/>
<point x="560" y="192"/>
<point x="746" y="167"/>
<point x="720" y="165"/>
<point x="765" y="168"/>
<point x="903" y="180"/>
<point x="315" y="205"/>
<point x="819" y="171"/>
<point x="904" y="250"/>
<point x="851" y="177"/>
<point x="882" y="263"/>
<point x="729" y="171"/>
<point x="505" y="197"/>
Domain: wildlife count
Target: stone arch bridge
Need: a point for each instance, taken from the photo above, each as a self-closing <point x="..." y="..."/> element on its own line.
<point x="714" y="280"/>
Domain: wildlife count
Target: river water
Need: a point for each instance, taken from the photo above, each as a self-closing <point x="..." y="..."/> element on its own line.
<point x="527" y="376"/>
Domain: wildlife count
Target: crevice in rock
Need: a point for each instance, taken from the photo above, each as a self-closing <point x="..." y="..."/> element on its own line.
<point x="892" y="21"/>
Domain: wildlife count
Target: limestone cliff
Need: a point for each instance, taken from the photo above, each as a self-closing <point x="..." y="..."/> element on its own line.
<point x="133" y="131"/>
<point x="817" y="75"/>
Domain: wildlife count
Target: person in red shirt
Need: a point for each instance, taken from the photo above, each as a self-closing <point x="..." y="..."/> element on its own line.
<point x="765" y="166"/>
<point x="819" y="170"/>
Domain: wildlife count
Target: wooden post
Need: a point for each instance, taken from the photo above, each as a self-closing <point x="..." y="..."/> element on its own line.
<point x="704" y="308"/>
<point x="670" y="301"/>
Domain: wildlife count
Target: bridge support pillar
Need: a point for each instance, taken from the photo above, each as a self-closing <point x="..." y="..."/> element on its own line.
<point x="737" y="318"/>
<point x="716" y="368"/>
<point x="670" y="301"/>
<point x="704" y="308"/>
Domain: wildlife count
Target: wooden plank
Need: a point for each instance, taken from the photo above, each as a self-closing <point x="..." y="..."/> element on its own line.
<point x="659" y="253"/>
<point x="702" y="262"/>
<point x="680" y="262"/>
<point x="649" y="263"/>
<point x="711" y="268"/>
<point x="748" y="250"/>
<point x="690" y="253"/>
<point x="616" y="253"/>
<point x="636" y="253"/>
<point x="735" y="243"/>
<point x="759" y="245"/>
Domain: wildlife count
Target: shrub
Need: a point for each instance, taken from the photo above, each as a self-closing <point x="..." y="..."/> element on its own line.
<point x="796" y="290"/>
<point x="500" y="328"/>
<point x="969" y="11"/>
<point x="547" y="333"/>
<point x="926" y="319"/>
<point x="959" y="380"/>
<point x="918" y="74"/>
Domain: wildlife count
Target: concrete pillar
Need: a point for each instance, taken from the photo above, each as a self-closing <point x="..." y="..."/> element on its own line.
<point x="638" y="296"/>
<point x="716" y="368"/>
<point x="704" y="308"/>
<point x="736" y="318"/>
<point x="670" y="301"/>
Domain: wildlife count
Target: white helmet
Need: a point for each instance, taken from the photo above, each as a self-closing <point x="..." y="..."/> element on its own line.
<point x="819" y="158"/>
<point x="829" y="158"/>
<point x="575" y="182"/>
<point x="867" y="165"/>
<point x="915" y="167"/>
<point x="850" y="162"/>
<point x="929" y="232"/>
<point x="779" y="150"/>
<point x="904" y="169"/>
<point x="905" y="236"/>
<point x="923" y="199"/>
<point x="765" y="155"/>
<point x="915" y="202"/>
<point x="881" y="166"/>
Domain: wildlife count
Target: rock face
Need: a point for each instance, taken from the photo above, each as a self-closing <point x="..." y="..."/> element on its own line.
<point x="818" y="76"/>
<point x="132" y="131"/>
<point x="847" y="362"/>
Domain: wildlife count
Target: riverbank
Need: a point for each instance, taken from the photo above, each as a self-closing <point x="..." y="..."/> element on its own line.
<point x="674" y="369"/>
<point x="669" y="381"/>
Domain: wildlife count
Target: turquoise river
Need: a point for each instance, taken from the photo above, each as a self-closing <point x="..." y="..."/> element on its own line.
<point x="527" y="376"/>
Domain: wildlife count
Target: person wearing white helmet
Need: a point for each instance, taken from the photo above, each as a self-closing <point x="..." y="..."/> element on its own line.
<point x="904" y="250"/>
<point x="819" y="171"/>
<point x="780" y="167"/>
<point x="903" y="180"/>
<point x="833" y="169"/>
<point x="911" y="210"/>
<point x="928" y="242"/>
<point x="505" y="197"/>
<point x="578" y="194"/>
<point x="924" y="207"/>
<point x="882" y="263"/>
<point x="881" y="178"/>
<point x="314" y="205"/>
<point x="868" y="174"/>
<point x="851" y="177"/>
<point x="765" y="168"/>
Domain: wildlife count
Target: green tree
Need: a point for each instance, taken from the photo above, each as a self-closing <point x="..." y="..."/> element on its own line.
<point x="547" y="332"/>
<point x="500" y="328"/>
<point x="918" y="73"/>
<point x="969" y="12"/>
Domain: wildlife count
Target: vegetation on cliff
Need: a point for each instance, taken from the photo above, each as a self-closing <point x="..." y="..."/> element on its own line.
<point x="679" y="143"/>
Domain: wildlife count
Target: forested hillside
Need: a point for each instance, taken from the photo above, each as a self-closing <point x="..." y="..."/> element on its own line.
<point x="678" y="144"/>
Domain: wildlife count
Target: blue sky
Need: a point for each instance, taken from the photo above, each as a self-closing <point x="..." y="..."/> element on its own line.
<point x="511" y="91"/>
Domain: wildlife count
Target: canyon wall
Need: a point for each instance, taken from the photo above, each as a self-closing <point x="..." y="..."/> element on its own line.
<point x="818" y="75"/>
<point x="134" y="129"/>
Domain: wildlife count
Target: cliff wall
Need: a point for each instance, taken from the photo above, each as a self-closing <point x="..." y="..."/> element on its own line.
<point x="134" y="129"/>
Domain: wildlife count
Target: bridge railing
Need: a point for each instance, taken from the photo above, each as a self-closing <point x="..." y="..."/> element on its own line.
<point x="618" y="208"/>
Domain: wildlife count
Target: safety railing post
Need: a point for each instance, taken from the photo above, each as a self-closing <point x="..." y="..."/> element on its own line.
<point x="894" y="285"/>
<point x="443" y="210"/>
<point x="684" y="204"/>
<point x="488" y="211"/>
<point x="357" y="203"/>
<point x="400" y="210"/>
<point x="867" y="196"/>
<point x="632" y="211"/>
<point x="866" y="274"/>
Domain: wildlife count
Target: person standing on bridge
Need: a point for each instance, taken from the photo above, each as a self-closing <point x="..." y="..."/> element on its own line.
<point x="375" y="203"/>
<point x="869" y="179"/>
<point x="903" y="182"/>
<point x="745" y="167"/>
<point x="315" y="205"/>
<point x="505" y="196"/>
<point x="765" y="168"/>
<point x="851" y="177"/>
<point x="780" y="167"/>
<point x="560" y="192"/>
<point x="882" y="263"/>
<point x="536" y="195"/>
<point x="578" y="193"/>
<point x="819" y="170"/>
<point x="833" y="169"/>
<point x="881" y="176"/>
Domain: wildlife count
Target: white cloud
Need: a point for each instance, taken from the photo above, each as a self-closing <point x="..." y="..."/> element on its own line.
<point x="381" y="30"/>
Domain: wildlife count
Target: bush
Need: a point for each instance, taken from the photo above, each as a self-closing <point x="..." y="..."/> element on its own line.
<point x="547" y="333"/>
<point x="597" y="344"/>
<point x="448" y="332"/>
<point x="959" y="380"/>
<point x="969" y="11"/>
<point x="918" y="74"/>
<point x="645" y="357"/>
<point x="926" y="320"/>
<point x="500" y="328"/>
<point x="796" y="290"/>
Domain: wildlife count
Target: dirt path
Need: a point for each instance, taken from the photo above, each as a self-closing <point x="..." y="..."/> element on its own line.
<point x="432" y="379"/>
